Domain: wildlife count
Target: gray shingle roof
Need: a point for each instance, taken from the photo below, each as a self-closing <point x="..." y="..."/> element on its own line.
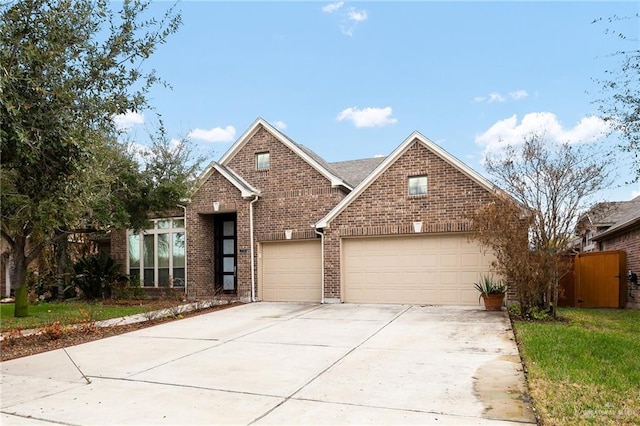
<point x="355" y="171"/>
<point x="618" y="215"/>
<point x="352" y="172"/>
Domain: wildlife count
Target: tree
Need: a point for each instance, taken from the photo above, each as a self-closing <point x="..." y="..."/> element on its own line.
<point x="619" y="101"/>
<point x="503" y="226"/>
<point x="549" y="185"/>
<point x="66" y="68"/>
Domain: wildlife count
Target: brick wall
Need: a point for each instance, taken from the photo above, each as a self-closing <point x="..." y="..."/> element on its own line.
<point x="119" y="248"/>
<point x="630" y="243"/>
<point x="385" y="208"/>
<point x="293" y="196"/>
<point x="200" y="236"/>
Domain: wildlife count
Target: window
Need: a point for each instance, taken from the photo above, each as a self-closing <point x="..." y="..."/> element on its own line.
<point x="417" y="185"/>
<point x="157" y="255"/>
<point x="262" y="161"/>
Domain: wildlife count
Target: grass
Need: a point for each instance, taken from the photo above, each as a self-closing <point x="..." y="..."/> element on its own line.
<point x="66" y="313"/>
<point x="584" y="369"/>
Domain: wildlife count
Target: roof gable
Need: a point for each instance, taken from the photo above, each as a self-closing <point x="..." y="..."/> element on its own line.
<point x="246" y="189"/>
<point x="390" y="160"/>
<point x="305" y="153"/>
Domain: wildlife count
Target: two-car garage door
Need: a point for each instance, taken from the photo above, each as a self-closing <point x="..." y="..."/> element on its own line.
<point x="438" y="269"/>
<point x="433" y="269"/>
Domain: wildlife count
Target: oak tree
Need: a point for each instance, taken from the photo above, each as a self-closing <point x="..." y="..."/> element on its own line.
<point x="66" y="69"/>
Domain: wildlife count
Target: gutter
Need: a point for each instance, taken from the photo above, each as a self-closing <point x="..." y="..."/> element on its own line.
<point x="253" y="261"/>
<point x="322" y="263"/>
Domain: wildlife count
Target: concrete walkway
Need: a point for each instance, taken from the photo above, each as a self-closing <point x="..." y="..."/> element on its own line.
<point x="279" y="363"/>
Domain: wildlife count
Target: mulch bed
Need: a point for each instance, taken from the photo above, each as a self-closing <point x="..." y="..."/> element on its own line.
<point x="19" y="346"/>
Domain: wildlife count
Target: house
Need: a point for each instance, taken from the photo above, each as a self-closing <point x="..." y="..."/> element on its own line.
<point x="273" y="221"/>
<point x="615" y="226"/>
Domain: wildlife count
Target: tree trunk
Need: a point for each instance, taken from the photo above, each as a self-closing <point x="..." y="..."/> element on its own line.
<point x="62" y="257"/>
<point x="18" y="277"/>
<point x="21" y="306"/>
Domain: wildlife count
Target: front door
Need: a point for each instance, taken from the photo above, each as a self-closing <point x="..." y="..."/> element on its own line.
<point x="225" y="258"/>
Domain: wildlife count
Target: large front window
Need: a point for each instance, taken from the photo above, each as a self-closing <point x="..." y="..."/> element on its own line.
<point x="156" y="256"/>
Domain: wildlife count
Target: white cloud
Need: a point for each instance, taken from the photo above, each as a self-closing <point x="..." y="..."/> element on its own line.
<point x="357" y="15"/>
<point x="332" y="7"/>
<point x="589" y="129"/>
<point x="127" y="120"/>
<point x="368" y="117"/>
<point x="495" y="97"/>
<point x="510" y="132"/>
<point x="518" y="94"/>
<point x="348" y="18"/>
<point x="499" y="97"/>
<point x="280" y="125"/>
<point x="635" y="194"/>
<point x="217" y="134"/>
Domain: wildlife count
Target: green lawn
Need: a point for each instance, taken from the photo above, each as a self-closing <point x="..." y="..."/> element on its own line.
<point x="584" y="369"/>
<point x="67" y="313"/>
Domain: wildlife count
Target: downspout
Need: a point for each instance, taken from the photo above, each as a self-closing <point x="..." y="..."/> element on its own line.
<point x="253" y="261"/>
<point x="322" y="262"/>
<point x="184" y="209"/>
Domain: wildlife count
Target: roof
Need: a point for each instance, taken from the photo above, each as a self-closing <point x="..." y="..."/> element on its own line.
<point x="355" y="171"/>
<point x="388" y="161"/>
<point x="605" y="213"/>
<point x="623" y="215"/>
<point x="303" y="152"/>
<point x="245" y="188"/>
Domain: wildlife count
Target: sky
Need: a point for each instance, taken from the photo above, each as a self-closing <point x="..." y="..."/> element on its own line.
<point x="354" y="79"/>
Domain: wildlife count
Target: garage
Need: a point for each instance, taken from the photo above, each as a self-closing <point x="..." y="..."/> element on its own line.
<point x="434" y="269"/>
<point x="290" y="271"/>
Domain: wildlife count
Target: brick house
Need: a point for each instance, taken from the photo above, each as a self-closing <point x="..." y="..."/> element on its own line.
<point x="615" y="226"/>
<point x="273" y="221"/>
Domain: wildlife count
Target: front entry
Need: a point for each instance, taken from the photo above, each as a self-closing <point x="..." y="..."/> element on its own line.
<point x="225" y="258"/>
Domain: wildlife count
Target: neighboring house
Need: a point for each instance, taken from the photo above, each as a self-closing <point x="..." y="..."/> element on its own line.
<point x="615" y="226"/>
<point x="273" y="221"/>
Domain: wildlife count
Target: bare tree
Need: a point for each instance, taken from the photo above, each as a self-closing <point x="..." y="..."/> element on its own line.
<point x="503" y="226"/>
<point x="553" y="183"/>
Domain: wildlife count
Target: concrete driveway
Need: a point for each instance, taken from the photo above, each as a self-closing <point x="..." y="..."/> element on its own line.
<point x="282" y="363"/>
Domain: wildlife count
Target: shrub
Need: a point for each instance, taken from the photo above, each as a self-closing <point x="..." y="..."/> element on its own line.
<point x="95" y="275"/>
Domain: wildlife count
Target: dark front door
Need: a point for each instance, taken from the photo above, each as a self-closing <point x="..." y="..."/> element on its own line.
<point x="225" y="258"/>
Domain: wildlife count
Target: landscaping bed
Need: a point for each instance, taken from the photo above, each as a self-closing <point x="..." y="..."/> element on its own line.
<point x="53" y="334"/>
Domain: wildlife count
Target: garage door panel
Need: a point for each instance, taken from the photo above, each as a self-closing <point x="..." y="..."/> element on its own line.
<point x="470" y="259"/>
<point x="291" y="271"/>
<point x="412" y="269"/>
<point x="449" y="260"/>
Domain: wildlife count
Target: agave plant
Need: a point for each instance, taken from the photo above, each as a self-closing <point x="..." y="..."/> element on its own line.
<point x="489" y="285"/>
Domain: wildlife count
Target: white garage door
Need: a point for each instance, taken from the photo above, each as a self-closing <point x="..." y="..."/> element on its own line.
<point x="436" y="269"/>
<point x="291" y="271"/>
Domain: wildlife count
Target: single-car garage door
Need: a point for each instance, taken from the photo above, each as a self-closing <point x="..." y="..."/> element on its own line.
<point x="435" y="269"/>
<point x="291" y="271"/>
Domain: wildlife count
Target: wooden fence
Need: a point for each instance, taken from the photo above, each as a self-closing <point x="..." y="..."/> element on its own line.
<point x="598" y="280"/>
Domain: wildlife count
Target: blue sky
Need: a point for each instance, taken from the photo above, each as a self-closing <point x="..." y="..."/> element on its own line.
<point x="354" y="79"/>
